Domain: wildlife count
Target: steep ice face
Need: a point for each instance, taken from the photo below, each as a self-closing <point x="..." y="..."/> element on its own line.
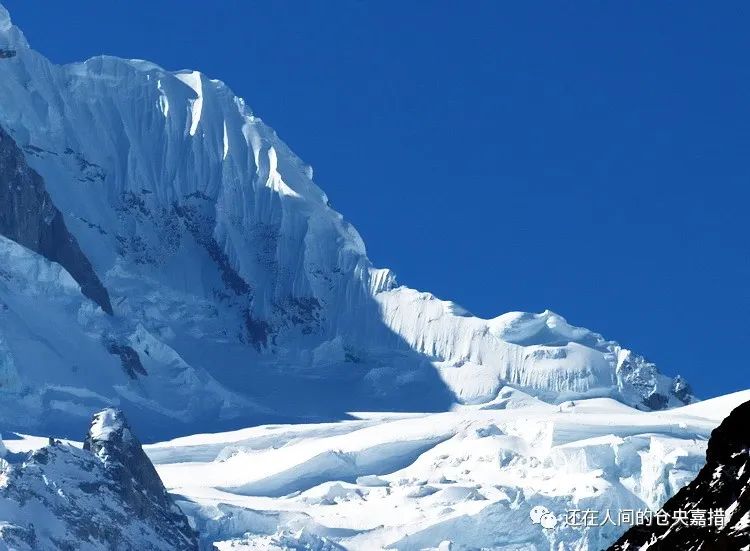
<point x="225" y="267"/>
<point x="541" y="353"/>
<point x="57" y="362"/>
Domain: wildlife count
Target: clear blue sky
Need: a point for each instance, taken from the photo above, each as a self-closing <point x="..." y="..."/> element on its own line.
<point x="588" y="157"/>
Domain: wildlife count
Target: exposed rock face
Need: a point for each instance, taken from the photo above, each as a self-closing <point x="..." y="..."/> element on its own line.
<point x="104" y="497"/>
<point x="129" y="358"/>
<point x="717" y="502"/>
<point x="28" y="217"/>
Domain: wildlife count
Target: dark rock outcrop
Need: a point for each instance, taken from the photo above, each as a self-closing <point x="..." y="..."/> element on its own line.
<point x="712" y="513"/>
<point x="111" y="440"/>
<point x="29" y="217"/>
<point x="129" y="358"/>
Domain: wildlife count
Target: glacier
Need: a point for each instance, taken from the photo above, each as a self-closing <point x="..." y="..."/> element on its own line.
<point x="454" y="481"/>
<point x="203" y="282"/>
<point x="462" y="480"/>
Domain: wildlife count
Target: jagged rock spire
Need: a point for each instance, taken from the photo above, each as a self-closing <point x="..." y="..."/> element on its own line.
<point x="107" y="495"/>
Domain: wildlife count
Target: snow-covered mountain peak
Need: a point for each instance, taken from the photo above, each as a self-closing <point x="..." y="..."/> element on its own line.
<point x="5" y="22"/>
<point x="206" y="259"/>
<point x="107" y="425"/>
<point x="10" y="35"/>
<point x="523" y="327"/>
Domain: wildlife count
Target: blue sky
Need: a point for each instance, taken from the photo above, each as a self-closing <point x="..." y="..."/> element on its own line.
<point x="588" y="157"/>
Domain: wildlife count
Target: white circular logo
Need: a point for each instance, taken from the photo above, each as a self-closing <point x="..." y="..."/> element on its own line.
<point x="541" y="515"/>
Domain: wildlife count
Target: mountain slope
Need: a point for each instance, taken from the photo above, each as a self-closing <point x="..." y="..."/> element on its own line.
<point x="722" y="486"/>
<point x="225" y="268"/>
<point x="106" y="496"/>
<point x="28" y="217"/>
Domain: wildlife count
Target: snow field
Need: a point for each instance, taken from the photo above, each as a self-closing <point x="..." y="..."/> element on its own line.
<point x="413" y="482"/>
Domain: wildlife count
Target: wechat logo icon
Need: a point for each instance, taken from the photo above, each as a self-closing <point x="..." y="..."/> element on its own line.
<point x="541" y="515"/>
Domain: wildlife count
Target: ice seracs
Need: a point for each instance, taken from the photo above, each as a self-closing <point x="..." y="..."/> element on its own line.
<point x="467" y="479"/>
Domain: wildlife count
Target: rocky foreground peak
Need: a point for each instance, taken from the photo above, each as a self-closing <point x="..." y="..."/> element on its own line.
<point x="108" y="495"/>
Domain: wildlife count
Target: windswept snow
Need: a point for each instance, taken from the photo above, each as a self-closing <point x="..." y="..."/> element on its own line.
<point x="469" y="477"/>
<point x="715" y="409"/>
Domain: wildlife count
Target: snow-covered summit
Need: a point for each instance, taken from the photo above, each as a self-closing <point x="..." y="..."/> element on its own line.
<point x="108" y="425"/>
<point x="523" y="327"/>
<point x="215" y="286"/>
<point x="11" y="36"/>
